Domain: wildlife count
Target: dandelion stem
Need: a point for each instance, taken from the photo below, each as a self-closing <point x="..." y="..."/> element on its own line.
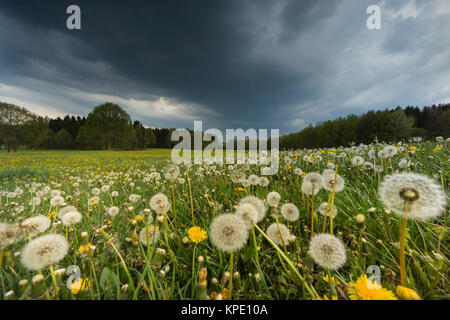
<point x="1" y="257"/>
<point x="193" y="270"/>
<point x="124" y="265"/>
<point x="231" y="275"/>
<point x="279" y="231"/>
<point x="55" y="285"/>
<point x="147" y="236"/>
<point x="190" y="195"/>
<point x="332" y="199"/>
<point x="402" y="252"/>
<point x="173" y="204"/>
<point x="311" y="290"/>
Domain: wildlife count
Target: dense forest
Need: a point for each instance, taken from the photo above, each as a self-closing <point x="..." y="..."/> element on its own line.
<point x="109" y="127"/>
<point x="384" y="125"/>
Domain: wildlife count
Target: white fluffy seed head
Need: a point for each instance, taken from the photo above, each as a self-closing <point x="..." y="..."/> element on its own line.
<point x="153" y="234"/>
<point x="253" y="179"/>
<point x="228" y="232"/>
<point x="8" y="235"/>
<point x="326" y="209"/>
<point x="273" y="198"/>
<point x="35" y="225"/>
<point x="290" y="212"/>
<point x="159" y="203"/>
<point x="44" y="251"/>
<point x="248" y="213"/>
<point x="275" y="234"/>
<point x="307" y="188"/>
<point x="57" y="201"/>
<point x="64" y="210"/>
<point x="113" y="211"/>
<point x="71" y="218"/>
<point x="171" y="172"/>
<point x="258" y="204"/>
<point x="327" y="251"/>
<point x="331" y="180"/>
<point x="412" y="195"/>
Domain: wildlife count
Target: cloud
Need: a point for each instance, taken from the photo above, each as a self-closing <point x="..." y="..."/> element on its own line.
<point x="251" y="64"/>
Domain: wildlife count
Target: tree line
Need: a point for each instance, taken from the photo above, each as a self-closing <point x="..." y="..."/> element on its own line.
<point x="389" y="125"/>
<point x="109" y="127"/>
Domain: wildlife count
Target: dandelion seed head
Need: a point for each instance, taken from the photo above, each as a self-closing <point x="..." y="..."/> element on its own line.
<point x="159" y="203"/>
<point x="44" y="251"/>
<point x="273" y="198"/>
<point x="153" y="234"/>
<point x="424" y="196"/>
<point x="35" y="225"/>
<point x="258" y="204"/>
<point x="275" y="234"/>
<point x="327" y="251"/>
<point x="71" y="218"/>
<point x="290" y="212"/>
<point x="326" y="209"/>
<point x="228" y="232"/>
<point x="248" y="213"/>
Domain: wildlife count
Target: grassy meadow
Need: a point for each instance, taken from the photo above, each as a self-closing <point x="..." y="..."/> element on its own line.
<point x="108" y="246"/>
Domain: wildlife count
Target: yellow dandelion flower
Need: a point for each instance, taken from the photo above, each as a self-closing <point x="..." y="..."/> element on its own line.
<point x="197" y="234"/>
<point x="405" y="293"/>
<point x="437" y="148"/>
<point x="325" y="278"/>
<point x="365" y="289"/>
<point x="52" y="214"/>
<point x="80" y="285"/>
<point x="139" y="218"/>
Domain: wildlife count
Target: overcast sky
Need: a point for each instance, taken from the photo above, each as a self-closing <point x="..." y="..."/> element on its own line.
<point x="232" y="64"/>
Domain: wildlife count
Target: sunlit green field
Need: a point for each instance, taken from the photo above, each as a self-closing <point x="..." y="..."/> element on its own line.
<point x="115" y="263"/>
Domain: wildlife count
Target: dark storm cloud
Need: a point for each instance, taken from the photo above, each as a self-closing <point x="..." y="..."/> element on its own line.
<point x="229" y="63"/>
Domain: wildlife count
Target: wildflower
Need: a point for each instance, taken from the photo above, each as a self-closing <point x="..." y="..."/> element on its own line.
<point x="113" y="211"/>
<point x="237" y="176"/>
<point x="228" y="232"/>
<point x="263" y="181"/>
<point x="71" y="218"/>
<point x="80" y="285"/>
<point x="171" y="172"/>
<point x="35" y="225"/>
<point x="326" y="209"/>
<point x="326" y="278"/>
<point x="290" y="212"/>
<point x="412" y="195"/>
<point x="316" y="181"/>
<point x="279" y="233"/>
<point x="65" y="210"/>
<point x="197" y="234"/>
<point x="332" y="181"/>
<point x="369" y="290"/>
<point x="273" y="198"/>
<point x="248" y="213"/>
<point x="253" y="180"/>
<point x="159" y="203"/>
<point x="327" y="251"/>
<point x="153" y="234"/>
<point x="360" y="218"/>
<point x="357" y="161"/>
<point x="405" y="293"/>
<point x="258" y="204"/>
<point x="44" y="251"/>
<point x="57" y="201"/>
<point x="134" y="198"/>
<point x="8" y="235"/>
